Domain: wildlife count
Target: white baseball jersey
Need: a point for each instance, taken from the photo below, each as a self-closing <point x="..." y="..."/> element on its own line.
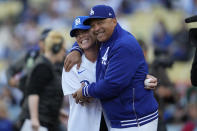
<point x="87" y="117"/>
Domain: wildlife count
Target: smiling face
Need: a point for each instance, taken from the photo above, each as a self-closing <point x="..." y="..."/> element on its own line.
<point x="85" y="39"/>
<point x="103" y="28"/>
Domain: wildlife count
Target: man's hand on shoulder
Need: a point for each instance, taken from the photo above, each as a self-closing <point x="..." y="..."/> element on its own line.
<point x="71" y="59"/>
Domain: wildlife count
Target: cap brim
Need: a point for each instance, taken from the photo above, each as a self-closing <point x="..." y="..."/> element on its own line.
<point x="87" y="21"/>
<point x="72" y="32"/>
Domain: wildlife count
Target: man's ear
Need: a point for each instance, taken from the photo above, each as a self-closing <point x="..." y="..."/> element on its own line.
<point x="114" y="21"/>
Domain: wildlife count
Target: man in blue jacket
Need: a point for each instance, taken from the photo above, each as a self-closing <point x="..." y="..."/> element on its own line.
<point x="120" y="73"/>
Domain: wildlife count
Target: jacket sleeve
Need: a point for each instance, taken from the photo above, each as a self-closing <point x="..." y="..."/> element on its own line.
<point x="194" y="70"/>
<point x="77" y="48"/>
<point x="123" y="64"/>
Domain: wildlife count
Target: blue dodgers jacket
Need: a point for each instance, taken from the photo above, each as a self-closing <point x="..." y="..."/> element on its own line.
<point x="120" y="73"/>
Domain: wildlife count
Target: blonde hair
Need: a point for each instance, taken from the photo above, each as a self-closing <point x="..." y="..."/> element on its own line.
<point x="52" y="39"/>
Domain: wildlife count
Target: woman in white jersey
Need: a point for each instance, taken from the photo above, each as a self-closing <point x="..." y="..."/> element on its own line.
<point x="85" y="117"/>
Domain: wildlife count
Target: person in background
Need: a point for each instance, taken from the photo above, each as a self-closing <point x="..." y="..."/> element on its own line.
<point x="18" y="71"/>
<point x="44" y="92"/>
<point x="191" y="98"/>
<point x="5" y="124"/>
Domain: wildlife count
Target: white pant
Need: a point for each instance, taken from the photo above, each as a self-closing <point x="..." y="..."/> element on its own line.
<point x="152" y="126"/>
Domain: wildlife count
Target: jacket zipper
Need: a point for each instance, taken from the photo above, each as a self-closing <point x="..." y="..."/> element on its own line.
<point x="134" y="107"/>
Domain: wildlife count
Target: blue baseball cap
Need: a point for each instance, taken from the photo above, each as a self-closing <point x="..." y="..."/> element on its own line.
<point x="78" y="24"/>
<point x="100" y="12"/>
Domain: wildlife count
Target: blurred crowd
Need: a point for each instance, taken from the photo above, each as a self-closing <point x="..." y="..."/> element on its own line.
<point x="165" y="44"/>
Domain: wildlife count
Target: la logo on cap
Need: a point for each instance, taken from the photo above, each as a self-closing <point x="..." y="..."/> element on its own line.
<point x="110" y="14"/>
<point x="77" y="21"/>
<point x="91" y="12"/>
